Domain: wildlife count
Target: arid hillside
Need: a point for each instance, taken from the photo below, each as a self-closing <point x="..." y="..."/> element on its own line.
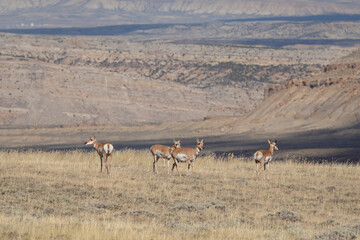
<point x="56" y="92"/>
<point x="56" y="99"/>
<point x="71" y="81"/>
<point x="328" y="100"/>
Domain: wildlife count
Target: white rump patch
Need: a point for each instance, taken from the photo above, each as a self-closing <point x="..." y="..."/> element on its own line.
<point x="159" y="153"/>
<point x="108" y="148"/>
<point x="181" y="157"/>
<point x="258" y="155"/>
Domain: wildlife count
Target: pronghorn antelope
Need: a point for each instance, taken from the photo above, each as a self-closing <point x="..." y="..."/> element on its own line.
<point x="162" y="151"/>
<point x="264" y="157"/>
<point x="103" y="149"/>
<point x="187" y="155"/>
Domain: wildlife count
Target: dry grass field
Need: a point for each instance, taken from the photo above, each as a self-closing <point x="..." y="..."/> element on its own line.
<point x="62" y="195"/>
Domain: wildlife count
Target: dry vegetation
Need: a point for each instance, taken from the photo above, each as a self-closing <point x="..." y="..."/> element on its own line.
<point x="62" y="195"/>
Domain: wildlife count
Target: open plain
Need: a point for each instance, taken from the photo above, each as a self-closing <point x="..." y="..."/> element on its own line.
<point x="62" y="195"/>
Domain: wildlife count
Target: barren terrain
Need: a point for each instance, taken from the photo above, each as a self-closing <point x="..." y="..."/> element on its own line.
<point x="40" y="108"/>
<point x="53" y="81"/>
<point x="58" y="91"/>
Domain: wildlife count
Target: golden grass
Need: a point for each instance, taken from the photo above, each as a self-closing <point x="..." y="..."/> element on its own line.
<point x="62" y="195"/>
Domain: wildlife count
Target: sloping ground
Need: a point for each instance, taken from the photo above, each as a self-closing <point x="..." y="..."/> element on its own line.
<point x="53" y="81"/>
<point x="317" y="118"/>
<point x="328" y="100"/>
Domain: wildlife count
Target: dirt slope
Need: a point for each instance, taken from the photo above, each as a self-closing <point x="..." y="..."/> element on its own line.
<point x="40" y="87"/>
<point x="53" y="81"/>
<point x="328" y="100"/>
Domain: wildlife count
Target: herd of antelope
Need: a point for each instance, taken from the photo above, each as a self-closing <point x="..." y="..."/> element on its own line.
<point x="178" y="154"/>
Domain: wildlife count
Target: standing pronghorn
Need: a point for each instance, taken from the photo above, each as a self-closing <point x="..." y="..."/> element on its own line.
<point x="103" y="149"/>
<point x="187" y="155"/>
<point x="161" y="151"/>
<point x="264" y="157"/>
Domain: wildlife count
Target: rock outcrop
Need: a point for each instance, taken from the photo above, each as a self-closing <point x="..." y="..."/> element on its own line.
<point x="351" y="72"/>
<point x="330" y="99"/>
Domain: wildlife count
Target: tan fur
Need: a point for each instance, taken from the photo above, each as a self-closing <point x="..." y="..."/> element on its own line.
<point x="100" y="150"/>
<point x="164" y="152"/>
<point x="264" y="157"/>
<point x="189" y="153"/>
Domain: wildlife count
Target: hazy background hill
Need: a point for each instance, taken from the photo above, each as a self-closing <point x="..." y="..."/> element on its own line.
<point x="109" y="12"/>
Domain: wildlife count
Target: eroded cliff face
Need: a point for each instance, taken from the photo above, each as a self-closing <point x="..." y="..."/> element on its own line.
<point x="332" y="74"/>
<point x="53" y="81"/>
<point x="330" y="99"/>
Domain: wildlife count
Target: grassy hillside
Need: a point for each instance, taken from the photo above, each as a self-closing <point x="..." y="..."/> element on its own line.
<point x="62" y="195"/>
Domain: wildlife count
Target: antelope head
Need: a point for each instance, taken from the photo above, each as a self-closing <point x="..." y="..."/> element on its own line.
<point x="272" y="143"/>
<point x="90" y="141"/>
<point x="200" y="144"/>
<point x="177" y="143"/>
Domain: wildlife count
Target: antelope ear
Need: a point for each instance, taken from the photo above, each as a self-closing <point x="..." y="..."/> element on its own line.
<point x="197" y="140"/>
<point x="269" y="141"/>
<point x="202" y="140"/>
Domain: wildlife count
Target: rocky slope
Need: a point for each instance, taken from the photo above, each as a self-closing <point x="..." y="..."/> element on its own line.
<point x="328" y="100"/>
<point x="53" y="81"/>
<point x="59" y="81"/>
<point x="60" y="90"/>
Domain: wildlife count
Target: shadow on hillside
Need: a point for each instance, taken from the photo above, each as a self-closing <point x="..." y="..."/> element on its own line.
<point x="330" y="145"/>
